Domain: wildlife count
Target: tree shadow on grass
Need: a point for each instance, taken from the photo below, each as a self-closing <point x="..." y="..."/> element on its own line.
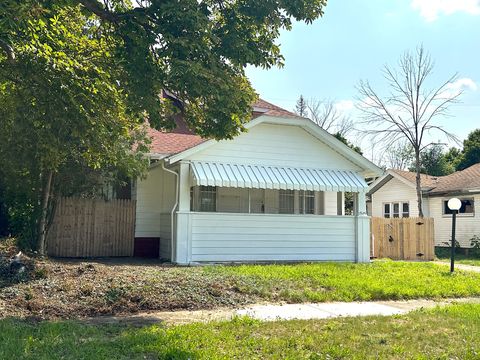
<point x="33" y="339"/>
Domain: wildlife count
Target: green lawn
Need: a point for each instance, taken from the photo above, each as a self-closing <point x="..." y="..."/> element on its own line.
<point x="442" y="333"/>
<point x="380" y="280"/>
<point x="75" y="290"/>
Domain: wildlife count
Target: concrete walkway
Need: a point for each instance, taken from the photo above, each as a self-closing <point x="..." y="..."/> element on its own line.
<point x="273" y="312"/>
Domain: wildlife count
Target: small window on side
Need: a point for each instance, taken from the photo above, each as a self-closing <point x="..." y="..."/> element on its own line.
<point x="405" y="210"/>
<point x="386" y="210"/>
<point x="396" y="210"/>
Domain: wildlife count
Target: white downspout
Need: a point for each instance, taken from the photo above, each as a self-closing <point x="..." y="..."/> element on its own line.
<point x="172" y="230"/>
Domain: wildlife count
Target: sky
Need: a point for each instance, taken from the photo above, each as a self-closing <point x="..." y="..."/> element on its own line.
<point x="354" y="40"/>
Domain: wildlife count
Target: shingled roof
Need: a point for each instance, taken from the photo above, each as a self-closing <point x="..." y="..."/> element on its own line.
<point x="465" y="180"/>
<point x="182" y="138"/>
<point x="426" y="181"/>
<point x="460" y="181"/>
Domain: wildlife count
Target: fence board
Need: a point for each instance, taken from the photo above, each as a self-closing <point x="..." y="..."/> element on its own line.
<point x="402" y="238"/>
<point x="92" y="228"/>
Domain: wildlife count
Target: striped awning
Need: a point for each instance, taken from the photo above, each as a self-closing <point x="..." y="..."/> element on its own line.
<point x="275" y="177"/>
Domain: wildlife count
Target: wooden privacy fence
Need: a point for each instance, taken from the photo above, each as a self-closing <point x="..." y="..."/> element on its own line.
<point x="92" y="228"/>
<point x="402" y="238"/>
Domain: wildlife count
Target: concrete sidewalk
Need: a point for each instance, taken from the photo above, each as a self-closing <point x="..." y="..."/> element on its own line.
<point x="273" y="312"/>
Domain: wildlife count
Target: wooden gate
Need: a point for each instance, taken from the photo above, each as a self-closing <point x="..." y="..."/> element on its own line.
<point x="92" y="228"/>
<point x="402" y="238"/>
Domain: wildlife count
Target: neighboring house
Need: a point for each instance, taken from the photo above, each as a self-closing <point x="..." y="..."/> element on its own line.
<point x="273" y="193"/>
<point x="394" y="195"/>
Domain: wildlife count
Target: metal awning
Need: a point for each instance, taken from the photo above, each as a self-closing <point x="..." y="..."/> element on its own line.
<point x="275" y="177"/>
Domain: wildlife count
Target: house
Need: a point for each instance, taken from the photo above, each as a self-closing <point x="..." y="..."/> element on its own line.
<point x="273" y="193"/>
<point x="394" y="195"/>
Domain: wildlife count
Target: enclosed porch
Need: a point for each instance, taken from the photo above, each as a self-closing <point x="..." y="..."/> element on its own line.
<point x="234" y="212"/>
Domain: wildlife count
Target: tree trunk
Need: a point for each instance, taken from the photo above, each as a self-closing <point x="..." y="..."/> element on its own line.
<point x="418" y="184"/>
<point x="42" y="224"/>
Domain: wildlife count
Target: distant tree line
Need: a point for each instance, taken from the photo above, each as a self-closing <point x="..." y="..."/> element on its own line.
<point x="436" y="160"/>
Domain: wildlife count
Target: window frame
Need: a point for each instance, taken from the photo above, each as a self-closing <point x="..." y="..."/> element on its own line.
<point x="284" y="193"/>
<point x="206" y="190"/>
<point x="303" y="195"/>
<point x="470" y="214"/>
<point x="392" y="213"/>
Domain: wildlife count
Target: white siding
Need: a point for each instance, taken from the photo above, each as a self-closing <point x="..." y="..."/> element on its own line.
<point x="467" y="225"/>
<point x="270" y="237"/>
<point x="330" y="203"/>
<point x="276" y="145"/>
<point x="155" y="195"/>
<point x="396" y="191"/>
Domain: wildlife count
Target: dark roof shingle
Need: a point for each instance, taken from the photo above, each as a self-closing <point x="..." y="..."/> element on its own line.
<point x="464" y="180"/>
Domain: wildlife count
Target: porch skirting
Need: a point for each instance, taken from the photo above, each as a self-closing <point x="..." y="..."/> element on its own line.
<point x="229" y="237"/>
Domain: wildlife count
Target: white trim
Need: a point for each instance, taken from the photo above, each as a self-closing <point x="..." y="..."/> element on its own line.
<point x="370" y="169"/>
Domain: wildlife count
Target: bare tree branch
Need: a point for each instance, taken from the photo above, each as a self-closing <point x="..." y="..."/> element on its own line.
<point x="409" y="110"/>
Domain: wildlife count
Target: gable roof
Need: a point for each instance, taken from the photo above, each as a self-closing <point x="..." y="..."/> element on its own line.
<point x="460" y="181"/>
<point x="182" y="138"/>
<point x="426" y="181"/>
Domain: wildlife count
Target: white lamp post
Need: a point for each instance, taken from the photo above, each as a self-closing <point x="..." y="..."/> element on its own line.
<point x="453" y="204"/>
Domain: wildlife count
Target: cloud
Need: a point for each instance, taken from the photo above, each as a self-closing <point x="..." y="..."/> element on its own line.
<point x="344" y="105"/>
<point x="431" y="9"/>
<point x="454" y="88"/>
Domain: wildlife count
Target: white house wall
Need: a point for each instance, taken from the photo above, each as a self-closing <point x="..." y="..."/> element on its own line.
<point x="278" y="145"/>
<point x="155" y="197"/>
<point x="396" y="191"/>
<point x="467" y="225"/>
<point x="270" y="237"/>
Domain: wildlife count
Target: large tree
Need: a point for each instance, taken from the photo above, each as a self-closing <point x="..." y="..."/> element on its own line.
<point x="79" y="79"/>
<point x="410" y="108"/>
<point x="63" y="116"/>
<point x="196" y="49"/>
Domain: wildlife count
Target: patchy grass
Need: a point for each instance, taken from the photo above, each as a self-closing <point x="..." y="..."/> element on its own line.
<point x="473" y="259"/>
<point x="381" y="280"/>
<point x="83" y="289"/>
<point x="443" y="333"/>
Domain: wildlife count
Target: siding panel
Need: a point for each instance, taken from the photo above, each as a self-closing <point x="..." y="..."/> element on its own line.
<point x="276" y="145"/>
<point x="269" y="237"/>
<point x="467" y="225"/>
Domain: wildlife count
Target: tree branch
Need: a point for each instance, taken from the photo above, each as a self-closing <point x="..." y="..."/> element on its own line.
<point x="8" y="50"/>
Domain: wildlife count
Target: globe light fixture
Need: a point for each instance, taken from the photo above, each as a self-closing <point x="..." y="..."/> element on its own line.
<point x="454" y="205"/>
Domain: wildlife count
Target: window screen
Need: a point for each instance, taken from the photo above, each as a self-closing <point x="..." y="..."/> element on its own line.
<point x="207" y="199"/>
<point x="307" y="202"/>
<point x="286" y="201"/>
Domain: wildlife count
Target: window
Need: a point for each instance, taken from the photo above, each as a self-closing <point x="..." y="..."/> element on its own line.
<point x="386" y="210"/>
<point x="286" y="201"/>
<point x="207" y="199"/>
<point x="467" y="207"/>
<point x="405" y="210"/>
<point x="396" y="210"/>
<point x="306" y="202"/>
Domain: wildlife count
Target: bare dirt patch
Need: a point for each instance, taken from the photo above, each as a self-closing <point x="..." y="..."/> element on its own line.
<point x="83" y="289"/>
